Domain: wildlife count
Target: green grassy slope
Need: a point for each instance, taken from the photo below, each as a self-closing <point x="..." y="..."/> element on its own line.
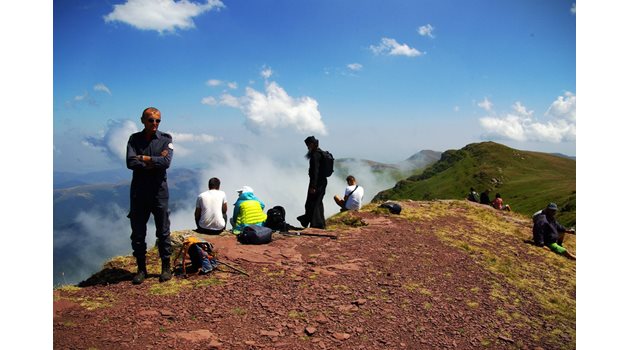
<point x="526" y="180"/>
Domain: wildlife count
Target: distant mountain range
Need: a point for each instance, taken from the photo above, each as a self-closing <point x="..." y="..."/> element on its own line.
<point x="526" y="180"/>
<point x="412" y="165"/>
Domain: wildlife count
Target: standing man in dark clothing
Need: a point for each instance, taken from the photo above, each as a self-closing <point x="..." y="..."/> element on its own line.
<point x="548" y="232"/>
<point x="314" y="206"/>
<point x="149" y="154"/>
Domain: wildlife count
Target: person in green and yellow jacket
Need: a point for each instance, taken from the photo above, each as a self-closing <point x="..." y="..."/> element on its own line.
<point x="248" y="210"/>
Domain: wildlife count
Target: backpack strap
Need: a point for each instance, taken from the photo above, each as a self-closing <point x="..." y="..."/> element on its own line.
<point x="355" y="188"/>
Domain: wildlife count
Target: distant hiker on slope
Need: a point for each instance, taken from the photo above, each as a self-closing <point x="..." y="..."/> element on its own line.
<point x="314" y="206"/>
<point x="548" y="232"/>
<point x="211" y="209"/>
<point x="485" y="197"/>
<point x="498" y="203"/>
<point x="352" y="196"/>
<point x="473" y="196"/>
<point x="149" y="154"/>
<point x="248" y="210"/>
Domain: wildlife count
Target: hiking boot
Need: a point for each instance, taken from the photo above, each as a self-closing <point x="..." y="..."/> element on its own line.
<point x="142" y="271"/>
<point x="302" y="221"/>
<point x="166" y="270"/>
<point x="139" y="277"/>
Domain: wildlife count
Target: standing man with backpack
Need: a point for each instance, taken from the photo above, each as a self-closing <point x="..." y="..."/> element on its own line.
<point x="149" y="154"/>
<point x="320" y="167"/>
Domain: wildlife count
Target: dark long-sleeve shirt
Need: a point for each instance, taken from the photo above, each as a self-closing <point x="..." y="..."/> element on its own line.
<point x="149" y="180"/>
<point x="546" y="230"/>
<point x="314" y="176"/>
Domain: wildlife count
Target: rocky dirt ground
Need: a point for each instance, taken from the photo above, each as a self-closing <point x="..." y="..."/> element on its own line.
<point x="387" y="282"/>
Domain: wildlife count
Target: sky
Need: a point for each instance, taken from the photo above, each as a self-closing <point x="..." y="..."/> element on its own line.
<point x="384" y="88"/>
<point x="378" y="80"/>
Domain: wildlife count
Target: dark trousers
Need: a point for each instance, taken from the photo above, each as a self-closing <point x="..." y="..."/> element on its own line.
<point x="314" y="206"/>
<point x="141" y="209"/>
<point x="207" y="231"/>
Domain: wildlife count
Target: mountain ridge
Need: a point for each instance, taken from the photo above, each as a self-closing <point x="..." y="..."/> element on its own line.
<point x="527" y="180"/>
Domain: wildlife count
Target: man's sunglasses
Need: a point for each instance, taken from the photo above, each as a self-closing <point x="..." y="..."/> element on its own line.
<point x="151" y="120"/>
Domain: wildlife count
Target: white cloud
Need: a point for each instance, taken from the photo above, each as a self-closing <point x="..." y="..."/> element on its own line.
<point x="102" y="87"/>
<point x="233" y="85"/>
<point x="197" y="138"/>
<point x="426" y="30"/>
<point x="266" y="73"/>
<point x="214" y="82"/>
<point x="113" y="141"/>
<point x="229" y="100"/>
<point x="161" y="15"/>
<point x="521" y="125"/>
<point x="563" y="107"/>
<point x="485" y="104"/>
<point x="393" y="48"/>
<point x="522" y="111"/>
<point x="209" y="100"/>
<point x="509" y="127"/>
<point x="355" y="66"/>
<point x="456" y="109"/>
<point x="274" y="109"/>
<point x="573" y="8"/>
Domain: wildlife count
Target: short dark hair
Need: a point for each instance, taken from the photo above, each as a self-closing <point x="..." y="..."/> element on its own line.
<point x="214" y="183"/>
<point x="350" y="178"/>
<point x="149" y="112"/>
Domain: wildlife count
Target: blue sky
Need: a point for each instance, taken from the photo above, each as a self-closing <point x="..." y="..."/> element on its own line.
<point x="372" y="79"/>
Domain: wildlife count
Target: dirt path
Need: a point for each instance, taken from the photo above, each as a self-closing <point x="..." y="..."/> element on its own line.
<point x="392" y="284"/>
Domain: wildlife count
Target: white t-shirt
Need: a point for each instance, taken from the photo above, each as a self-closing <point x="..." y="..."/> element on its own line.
<point x="354" y="201"/>
<point x="211" y="205"/>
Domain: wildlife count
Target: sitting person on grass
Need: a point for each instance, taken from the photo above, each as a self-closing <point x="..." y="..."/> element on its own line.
<point x="352" y="196"/>
<point x="498" y="203"/>
<point x="548" y="232"/>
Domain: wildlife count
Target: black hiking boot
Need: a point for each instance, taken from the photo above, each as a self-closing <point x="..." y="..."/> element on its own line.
<point x="166" y="270"/>
<point x="303" y="221"/>
<point x="142" y="271"/>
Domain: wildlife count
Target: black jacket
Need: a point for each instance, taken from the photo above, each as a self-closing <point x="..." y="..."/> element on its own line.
<point x="546" y="230"/>
<point x="315" y="177"/>
<point x="149" y="181"/>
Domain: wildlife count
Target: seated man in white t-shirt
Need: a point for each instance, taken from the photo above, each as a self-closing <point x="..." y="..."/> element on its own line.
<point x="352" y="197"/>
<point x="211" y="209"/>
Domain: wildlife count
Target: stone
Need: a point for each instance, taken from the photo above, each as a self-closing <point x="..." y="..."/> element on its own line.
<point x="341" y="336"/>
<point x="310" y="330"/>
<point x="321" y="318"/>
<point x="167" y="313"/>
<point x="360" y="301"/>
<point x="269" y="333"/>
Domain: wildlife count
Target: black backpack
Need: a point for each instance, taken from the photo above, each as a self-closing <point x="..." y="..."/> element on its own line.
<point x="254" y="234"/>
<point x="275" y="219"/>
<point x="327" y="163"/>
<point x="393" y="207"/>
